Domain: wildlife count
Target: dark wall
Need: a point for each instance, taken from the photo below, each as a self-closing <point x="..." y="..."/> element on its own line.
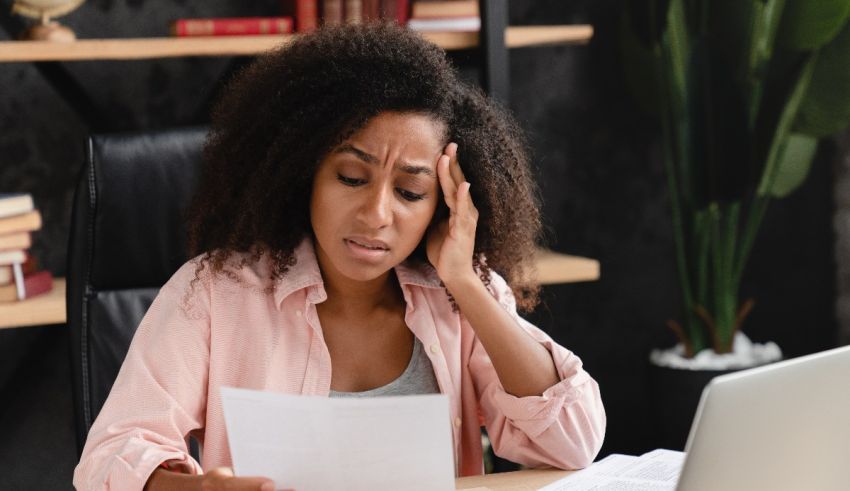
<point x="597" y="158"/>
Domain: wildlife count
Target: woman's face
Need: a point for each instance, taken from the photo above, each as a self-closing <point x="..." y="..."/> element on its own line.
<point x="374" y="195"/>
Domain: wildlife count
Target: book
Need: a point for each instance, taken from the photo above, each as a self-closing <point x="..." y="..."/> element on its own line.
<point x="305" y="13"/>
<point x="332" y="12"/>
<point x="353" y="11"/>
<point x="395" y="10"/>
<point x="371" y="10"/>
<point x="454" y="24"/>
<point x="233" y="26"/>
<point x="15" y="204"/>
<point x="16" y="240"/>
<point x="12" y="257"/>
<point x="33" y="284"/>
<point x="26" y="222"/>
<point x="7" y="275"/>
<point x="455" y="8"/>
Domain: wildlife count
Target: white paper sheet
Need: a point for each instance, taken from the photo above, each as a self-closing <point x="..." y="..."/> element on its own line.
<point x="318" y="443"/>
<point x="657" y="470"/>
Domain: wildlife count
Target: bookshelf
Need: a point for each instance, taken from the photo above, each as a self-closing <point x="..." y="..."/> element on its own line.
<point x="552" y="268"/>
<point x="170" y="47"/>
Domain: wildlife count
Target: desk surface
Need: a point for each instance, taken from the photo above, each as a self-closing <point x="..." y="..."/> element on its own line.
<point x="529" y="480"/>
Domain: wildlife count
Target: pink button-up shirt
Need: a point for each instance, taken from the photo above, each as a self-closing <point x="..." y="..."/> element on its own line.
<point x="232" y="333"/>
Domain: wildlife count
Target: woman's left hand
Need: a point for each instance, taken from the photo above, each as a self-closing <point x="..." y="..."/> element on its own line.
<point x="450" y="244"/>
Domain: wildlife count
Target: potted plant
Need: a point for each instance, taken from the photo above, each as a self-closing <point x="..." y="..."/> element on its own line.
<point x="744" y="90"/>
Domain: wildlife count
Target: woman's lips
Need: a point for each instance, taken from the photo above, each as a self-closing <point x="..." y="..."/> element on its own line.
<point x="363" y="251"/>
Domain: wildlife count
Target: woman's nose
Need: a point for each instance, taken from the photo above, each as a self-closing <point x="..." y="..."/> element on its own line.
<point x="377" y="212"/>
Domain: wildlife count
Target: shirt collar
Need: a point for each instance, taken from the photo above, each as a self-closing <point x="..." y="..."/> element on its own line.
<point x="305" y="273"/>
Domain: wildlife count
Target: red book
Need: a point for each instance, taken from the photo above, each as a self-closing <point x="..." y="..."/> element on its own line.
<point x="305" y="12"/>
<point x="234" y="26"/>
<point x="395" y="10"/>
<point x="402" y="11"/>
<point x="34" y="284"/>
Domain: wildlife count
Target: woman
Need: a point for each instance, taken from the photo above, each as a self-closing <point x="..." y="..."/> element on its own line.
<point x="356" y="203"/>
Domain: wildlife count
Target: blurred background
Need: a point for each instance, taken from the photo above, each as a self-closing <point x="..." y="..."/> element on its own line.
<point x="598" y="158"/>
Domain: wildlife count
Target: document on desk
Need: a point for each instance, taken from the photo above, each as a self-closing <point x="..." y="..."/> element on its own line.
<point x="657" y="470"/>
<point x="318" y="443"/>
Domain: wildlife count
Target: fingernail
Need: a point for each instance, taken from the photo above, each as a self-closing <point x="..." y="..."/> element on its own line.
<point x="267" y="486"/>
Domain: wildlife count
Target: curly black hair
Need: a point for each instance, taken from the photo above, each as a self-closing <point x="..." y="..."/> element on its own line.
<point x="282" y="114"/>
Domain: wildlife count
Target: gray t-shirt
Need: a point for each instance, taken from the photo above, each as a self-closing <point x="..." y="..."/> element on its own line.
<point x="418" y="378"/>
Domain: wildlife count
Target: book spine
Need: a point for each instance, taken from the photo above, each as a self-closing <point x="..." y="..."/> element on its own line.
<point x="18" y="240"/>
<point x="38" y="283"/>
<point x="402" y="11"/>
<point x="21" y="223"/>
<point x="332" y="12"/>
<point x="306" y="15"/>
<point x="353" y="11"/>
<point x="371" y="10"/>
<point x="428" y="10"/>
<point x="232" y="26"/>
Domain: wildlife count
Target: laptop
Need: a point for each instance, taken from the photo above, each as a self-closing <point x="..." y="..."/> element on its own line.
<point x="784" y="426"/>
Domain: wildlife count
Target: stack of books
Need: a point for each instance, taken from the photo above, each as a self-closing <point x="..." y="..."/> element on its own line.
<point x="20" y="277"/>
<point x="296" y="16"/>
<point x="445" y="15"/>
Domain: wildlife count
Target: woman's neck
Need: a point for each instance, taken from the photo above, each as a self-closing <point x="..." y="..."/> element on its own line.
<point x="360" y="298"/>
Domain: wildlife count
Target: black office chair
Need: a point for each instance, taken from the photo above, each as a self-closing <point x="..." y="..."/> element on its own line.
<point x="127" y="239"/>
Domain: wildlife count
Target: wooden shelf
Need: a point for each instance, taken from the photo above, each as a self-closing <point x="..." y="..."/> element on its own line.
<point x="554" y="268"/>
<point x="43" y="309"/>
<point x="167" y="47"/>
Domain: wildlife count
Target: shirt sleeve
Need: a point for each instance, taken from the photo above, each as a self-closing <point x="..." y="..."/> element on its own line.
<point x="563" y="427"/>
<point x="159" y="395"/>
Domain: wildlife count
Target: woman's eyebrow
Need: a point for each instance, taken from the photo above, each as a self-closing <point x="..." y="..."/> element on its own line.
<point x="371" y="159"/>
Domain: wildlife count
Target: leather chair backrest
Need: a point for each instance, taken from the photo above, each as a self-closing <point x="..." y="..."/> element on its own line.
<point x="127" y="239"/>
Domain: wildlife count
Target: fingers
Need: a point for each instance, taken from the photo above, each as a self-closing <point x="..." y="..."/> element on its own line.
<point x="450" y="175"/>
<point x="454" y="165"/>
<point x="447" y="183"/>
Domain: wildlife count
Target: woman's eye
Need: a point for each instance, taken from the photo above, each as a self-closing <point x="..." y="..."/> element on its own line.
<point x="350" y="181"/>
<point x="410" y="196"/>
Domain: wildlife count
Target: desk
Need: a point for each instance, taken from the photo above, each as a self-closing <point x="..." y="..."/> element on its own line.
<point x="527" y="480"/>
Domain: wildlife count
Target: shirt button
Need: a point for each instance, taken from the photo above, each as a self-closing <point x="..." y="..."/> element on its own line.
<point x="298" y="313"/>
<point x="435" y="349"/>
<point x="457" y="422"/>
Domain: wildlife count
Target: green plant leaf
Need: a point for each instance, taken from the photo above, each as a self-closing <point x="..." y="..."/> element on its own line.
<point x="783" y="125"/>
<point x="810" y="24"/>
<point x="826" y="108"/>
<point x="794" y="164"/>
